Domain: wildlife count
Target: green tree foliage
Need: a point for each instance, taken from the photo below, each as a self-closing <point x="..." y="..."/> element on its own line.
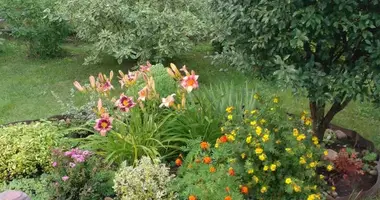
<point x="329" y="48"/>
<point x="130" y="29"/>
<point x="27" y="21"/>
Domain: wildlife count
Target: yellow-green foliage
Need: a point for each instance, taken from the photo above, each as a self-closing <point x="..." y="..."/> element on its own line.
<point x="25" y="149"/>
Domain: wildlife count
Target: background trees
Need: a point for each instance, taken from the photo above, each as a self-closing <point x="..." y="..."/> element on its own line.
<point x="329" y="48"/>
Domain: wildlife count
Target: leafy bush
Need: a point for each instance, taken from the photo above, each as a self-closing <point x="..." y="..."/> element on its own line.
<point x="309" y="44"/>
<point x="28" y="22"/>
<point x="25" y="149"/>
<point x="35" y="188"/>
<point x="271" y="156"/>
<point x="144" y="30"/>
<point x="78" y="175"/>
<point x="148" y="180"/>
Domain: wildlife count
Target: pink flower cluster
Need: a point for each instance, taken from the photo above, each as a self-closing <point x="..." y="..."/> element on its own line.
<point x="78" y="156"/>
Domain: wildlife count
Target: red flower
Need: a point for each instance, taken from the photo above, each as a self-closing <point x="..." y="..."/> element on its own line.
<point x="223" y="139"/>
<point x="125" y="103"/>
<point x="178" y="162"/>
<point x="231" y="171"/>
<point x="207" y="160"/>
<point x="244" y="190"/>
<point x="205" y="145"/>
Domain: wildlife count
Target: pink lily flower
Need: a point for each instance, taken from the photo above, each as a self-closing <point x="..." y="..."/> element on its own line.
<point x="190" y="82"/>
<point x="79" y="86"/>
<point x="145" y="68"/>
<point x="142" y="94"/>
<point x="125" y="103"/>
<point x="127" y="79"/>
<point x="104" y="124"/>
<point x="168" y="101"/>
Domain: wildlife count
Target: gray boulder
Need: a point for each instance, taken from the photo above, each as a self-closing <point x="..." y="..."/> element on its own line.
<point x="13" y="195"/>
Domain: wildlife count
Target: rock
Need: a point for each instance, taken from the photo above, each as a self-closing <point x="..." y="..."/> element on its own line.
<point x="340" y="135"/>
<point x="13" y="195"/>
<point x="373" y="172"/>
<point x="334" y="194"/>
<point x="331" y="155"/>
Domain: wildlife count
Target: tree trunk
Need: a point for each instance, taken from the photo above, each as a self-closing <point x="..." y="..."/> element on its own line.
<point x="321" y="121"/>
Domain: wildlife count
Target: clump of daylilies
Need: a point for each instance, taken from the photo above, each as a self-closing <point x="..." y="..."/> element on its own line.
<point x="102" y="85"/>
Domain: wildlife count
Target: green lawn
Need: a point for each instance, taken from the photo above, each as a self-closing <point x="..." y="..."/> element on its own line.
<point x="27" y="85"/>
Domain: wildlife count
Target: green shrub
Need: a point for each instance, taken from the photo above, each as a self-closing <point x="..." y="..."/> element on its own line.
<point x="35" y="188"/>
<point x="126" y="29"/>
<point x="148" y="180"/>
<point x="328" y="48"/>
<point x="78" y="175"/>
<point x="25" y="149"/>
<point x="27" y="21"/>
<point x="272" y="157"/>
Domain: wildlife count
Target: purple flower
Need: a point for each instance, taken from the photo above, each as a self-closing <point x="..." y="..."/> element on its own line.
<point x="65" y="178"/>
<point x="54" y="164"/>
<point x="72" y="165"/>
<point x="68" y="153"/>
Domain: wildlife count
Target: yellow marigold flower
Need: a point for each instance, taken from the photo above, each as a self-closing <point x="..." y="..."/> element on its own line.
<point x="288" y="150"/>
<point x="325" y="152"/>
<point x="263" y="189"/>
<point x="301" y="137"/>
<point x="313" y="164"/>
<point x="259" y="150"/>
<point x="259" y="130"/>
<point x="253" y="112"/>
<point x="309" y="155"/>
<point x="229" y="117"/>
<point x="243" y="155"/>
<point x="217" y="145"/>
<point x="314" y="138"/>
<point x="256" y="96"/>
<point x="321" y="176"/>
<point x="295" y="132"/>
<point x="296" y="188"/>
<point x="230" y="137"/>
<point x="255" y="178"/>
<point x="302" y="160"/>
<point x="265" y="138"/>
<point x="276" y="100"/>
<point x="248" y="139"/>
<point x="329" y="167"/>
<point x="313" y="197"/>
<point x="250" y="171"/>
<point x="308" y="121"/>
<point x="265" y="168"/>
<point x="253" y="123"/>
<point x="333" y="188"/>
<point x="288" y="181"/>
<point x="233" y="132"/>
<point x="229" y="109"/>
<point x="263" y="121"/>
<point x="273" y="167"/>
<point x="315" y="142"/>
<point x="262" y="157"/>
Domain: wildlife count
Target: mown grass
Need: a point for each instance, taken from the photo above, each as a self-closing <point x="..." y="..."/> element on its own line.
<point x="26" y="85"/>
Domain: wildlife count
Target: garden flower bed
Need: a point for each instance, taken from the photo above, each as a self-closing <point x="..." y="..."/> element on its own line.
<point x="148" y="140"/>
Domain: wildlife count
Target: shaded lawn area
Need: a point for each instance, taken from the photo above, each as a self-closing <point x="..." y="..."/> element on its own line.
<point x="27" y="85"/>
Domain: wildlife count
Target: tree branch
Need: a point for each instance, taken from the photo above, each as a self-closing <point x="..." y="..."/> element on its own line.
<point x="335" y="108"/>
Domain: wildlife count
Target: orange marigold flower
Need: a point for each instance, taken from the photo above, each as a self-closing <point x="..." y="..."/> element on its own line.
<point x="192" y="197"/>
<point x="205" y="145"/>
<point x="228" y="198"/>
<point x="212" y="169"/>
<point x="207" y="160"/>
<point x="178" y="162"/>
<point x="244" y="190"/>
<point x="223" y="139"/>
<point x="231" y="171"/>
